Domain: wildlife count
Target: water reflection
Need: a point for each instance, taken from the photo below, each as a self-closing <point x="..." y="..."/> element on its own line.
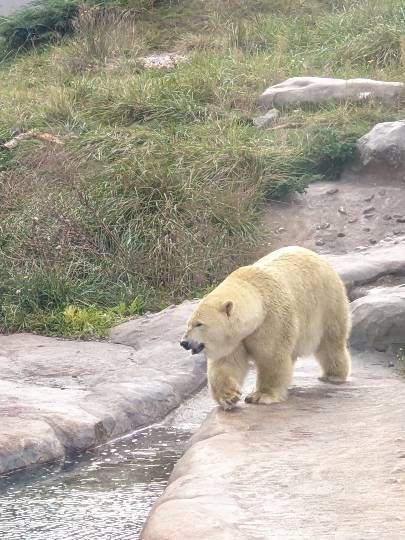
<point x="105" y="494"/>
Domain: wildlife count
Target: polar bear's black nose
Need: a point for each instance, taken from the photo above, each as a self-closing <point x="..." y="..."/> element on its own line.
<point x="186" y="345"/>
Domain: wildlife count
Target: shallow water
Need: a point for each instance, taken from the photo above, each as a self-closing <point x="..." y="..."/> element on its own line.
<point x="104" y="494"/>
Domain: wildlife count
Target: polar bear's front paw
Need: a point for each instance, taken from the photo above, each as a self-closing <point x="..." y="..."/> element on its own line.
<point x="230" y="399"/>
<point x="264" y="399"/>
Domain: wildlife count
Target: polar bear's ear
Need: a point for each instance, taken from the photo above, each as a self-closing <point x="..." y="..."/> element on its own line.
<point x="227" y="307"/>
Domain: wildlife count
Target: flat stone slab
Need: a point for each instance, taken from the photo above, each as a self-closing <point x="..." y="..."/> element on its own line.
<point x="329" y="463"/>
<point x="314" y="90"/>
<point x="370" y="264"/>
<point x="59" y="396"/>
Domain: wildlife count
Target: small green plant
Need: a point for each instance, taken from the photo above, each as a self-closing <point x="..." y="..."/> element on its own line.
<point x="72" y="321"/>
<point x="92" y="321"/>
<point x="328" y="151"/>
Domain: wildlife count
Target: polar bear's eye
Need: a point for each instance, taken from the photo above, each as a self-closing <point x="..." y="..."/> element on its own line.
<point x="198" y="324"/>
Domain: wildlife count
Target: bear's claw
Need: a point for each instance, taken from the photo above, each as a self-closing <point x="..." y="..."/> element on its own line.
<point x="234" y="400"/>
<point x="333" y="379"/>
<point x="230" y="401"/>
<point x="264" y="399"/>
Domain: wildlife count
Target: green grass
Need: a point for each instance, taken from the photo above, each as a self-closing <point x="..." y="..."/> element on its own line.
<point x="158" y="188"/>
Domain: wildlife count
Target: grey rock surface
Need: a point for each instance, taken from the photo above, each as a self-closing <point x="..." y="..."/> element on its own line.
<point x="267" y="120"/>
<point x="329" y="463"/>
<point x="379" y="319"/>
<point x="58" y="397"/>
<point x="305" y="90"/>
<point x="384" y="146"/>
<point x="370" y="264"/>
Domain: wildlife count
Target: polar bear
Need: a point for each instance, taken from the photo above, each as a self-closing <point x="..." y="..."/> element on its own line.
<point x="288" y="304"/>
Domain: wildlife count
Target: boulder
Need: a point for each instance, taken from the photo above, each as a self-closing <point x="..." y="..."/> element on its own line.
<point x="314" y="90"/>
<point x="327" y="463"/>
<point x="379" y="319"/>
<point x="384" y="145"/>
<point x="58" y="396"/>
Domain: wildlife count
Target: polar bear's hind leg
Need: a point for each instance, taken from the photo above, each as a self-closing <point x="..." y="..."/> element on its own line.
<point x="334" y="359"/>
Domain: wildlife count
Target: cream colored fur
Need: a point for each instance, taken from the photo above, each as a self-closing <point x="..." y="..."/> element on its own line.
<point x="226" y="376"/>
<point x="288" y="304"/>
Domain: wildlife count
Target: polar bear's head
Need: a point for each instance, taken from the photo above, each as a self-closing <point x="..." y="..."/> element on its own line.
<point x="226" y="316"/>
<point x="211" y="328"/>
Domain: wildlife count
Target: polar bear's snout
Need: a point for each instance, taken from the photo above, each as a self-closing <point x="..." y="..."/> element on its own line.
<point x="192" y="345"/>
<point x="185" y="344"/>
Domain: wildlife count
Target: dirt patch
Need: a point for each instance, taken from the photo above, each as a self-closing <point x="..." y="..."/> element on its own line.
<point x="339" y="217"/>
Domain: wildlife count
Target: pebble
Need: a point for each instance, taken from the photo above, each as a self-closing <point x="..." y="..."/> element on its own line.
<point x="369" y="199"/>
<point x="332" y="191"/>
<point x="382" y="192"/>
<point x="353" y="220"/>
<point x="341" y="234"/>
<point x="373" y="241"/>
<point x="397" y="215"/>
<point x="369" y="209"/>
<point x="398" y="231"/>
<point x="162" y="60"/>
<point x="267" y="120"/>
<point x="360" y="248"/>
<point x="281" y="229"/>
<point x="366" y="229"/>
<point x="319" y="243"/>
<point x="341" y="210"/>
<point x="387" y="217"/>
<point x="325" y="225"/>
<point x="401" y="219"/>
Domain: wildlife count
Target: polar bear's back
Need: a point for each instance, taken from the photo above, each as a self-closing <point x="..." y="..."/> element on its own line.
<point x="298" y="265"/>
<point x="315" y="291"/>
<point x="285" y="254"/>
